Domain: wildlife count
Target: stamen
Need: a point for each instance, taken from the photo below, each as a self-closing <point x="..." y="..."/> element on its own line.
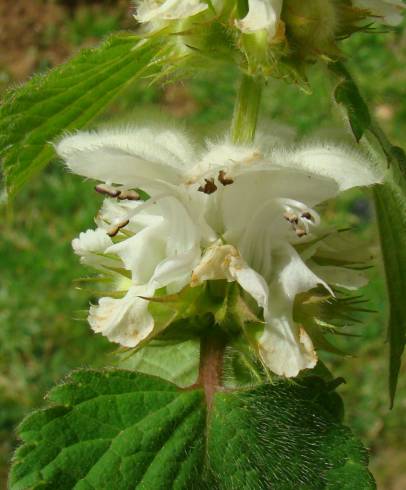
<point x="299" y="216"/>
<point x="115" y="229"/>
<point x="209" y="187"/>
<point x="107" y="189"/>
<point x="223" y="179"/>
<point x="128" y="195"/>
<point x="307" y="215"/>
<point x="121" y="194"/>
<point x="300" y="232"/>
<point x="291" y="217"/>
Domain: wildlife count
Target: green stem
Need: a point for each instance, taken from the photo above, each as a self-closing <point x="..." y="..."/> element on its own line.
<point x="246" y="110"/>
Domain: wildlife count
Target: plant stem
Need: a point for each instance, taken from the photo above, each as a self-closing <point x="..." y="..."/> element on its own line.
<point x="246" y="110"/>
<point x="211" y="365"/>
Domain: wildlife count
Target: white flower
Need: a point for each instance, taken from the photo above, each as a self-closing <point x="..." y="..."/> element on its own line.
<point x="231" y="212"/>
<point x="163" y="10"/>
<point x="388" y="12"/>
<point x="262" y="15"/>
<point x="160" y="249"/>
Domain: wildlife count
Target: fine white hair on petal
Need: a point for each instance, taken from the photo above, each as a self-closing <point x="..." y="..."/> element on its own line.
<point x="223" y="156"/>
<point x="262" y="14"/>
<point x="274" y="135"/>
<point x="151" y="10"/>
<point x="346" y="166"/>
<point x="125" y="321"/>
<point x="128" y="156"/>
<point x="223" y="153"/>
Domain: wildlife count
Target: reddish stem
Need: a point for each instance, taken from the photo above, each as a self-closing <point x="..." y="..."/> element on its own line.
<point x="211" y="366"/>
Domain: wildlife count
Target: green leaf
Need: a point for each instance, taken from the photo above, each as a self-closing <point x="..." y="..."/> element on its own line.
<point x="390" y="203"/>
<point x="119" y="429"/>
<point x="65" y="99"/>
<point x="174" y="361"/>
<point x="347" y="94"/>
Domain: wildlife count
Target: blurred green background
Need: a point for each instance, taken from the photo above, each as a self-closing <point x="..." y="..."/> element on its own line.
<point x="40" y="339"/>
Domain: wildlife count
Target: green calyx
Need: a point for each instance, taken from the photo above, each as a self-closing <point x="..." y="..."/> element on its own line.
<point x="184" y="322"/>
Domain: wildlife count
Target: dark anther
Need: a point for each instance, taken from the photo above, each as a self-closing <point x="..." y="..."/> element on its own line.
<point x="223" y="179"/>
<point x="307" y="216"/>
<point x="109" y="191"/>
<point x="300" y="232"/>
<point x="117" y="228"/>
<point x="209" y="187"/>
<point x="122" y="195"/>
<point x="292" y="218"/>
<point x="128" y="195"/>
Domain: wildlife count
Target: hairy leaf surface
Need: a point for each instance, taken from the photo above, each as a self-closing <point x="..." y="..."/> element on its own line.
<point x="123" y="430"/>
<point x="65" y="99"/>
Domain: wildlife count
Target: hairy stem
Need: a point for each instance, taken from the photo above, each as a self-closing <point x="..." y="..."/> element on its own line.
<point x="211" y="365"/>
<point x="246" y="110"/>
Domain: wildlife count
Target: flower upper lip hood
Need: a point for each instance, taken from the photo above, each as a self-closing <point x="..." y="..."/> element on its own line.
<point x="230" y="212"/>
<point x="142" y="157"/>
<point x="153" y="10"/>
<point x="155" y="159"/>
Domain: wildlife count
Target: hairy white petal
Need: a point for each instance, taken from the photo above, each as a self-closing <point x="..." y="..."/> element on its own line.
<point x="223" y="156"/>
<point x="153" y="10"/>
<point x="131" y="157"/>
<point x="125" y="321"/>
<point x="262" y="14"/>
<point x="347" y="167"/>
